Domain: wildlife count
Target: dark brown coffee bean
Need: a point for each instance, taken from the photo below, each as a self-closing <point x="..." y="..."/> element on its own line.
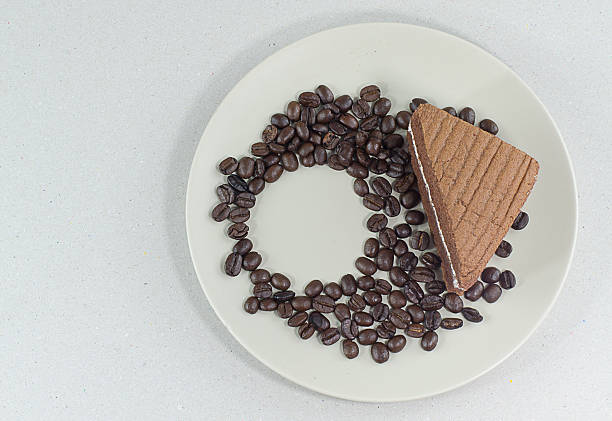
<point x="308" y="116"/>
<point x="400" y="318"/>
<point x="260" y="168"/>
<point x="320" y="130"/>
<point x="416" y="102"/>
<point x="382" y="286"/>
<point x="298" y="319"/>
<point x="435" y="287"/>
<point x="382" y="107"/>
<point x="504" y="249"/>
<point x="373" y="201"/>
<point x="325" y="94"/>
<point x="330" y="141"/>
<point x="320" y="155"/>
<point x="357" y="170"/>
<point x="396" y="343"/>
<point x="251" y="305"/>
<point x="471" y="315"/>
<point x="429" y="341"/>
<point x="259" y="149"/>
<point x="393" y="141"/>
<point x="342" y="312"/>
<point x="407" y="261"/>
<point x="372" y="298"/>
<point x="350" y="349"/>
<point x="243" y="246"/>
<point x="414" y="217"/>
<point x="432" y="302"/>
<point x="306" y="330"/>
<point x="268" y="304"/>
<point x="361" y="108"/>
<point x="283" y="296"/>
<point x="368" y="123"/>
<point x="365" y="266"/>
<point x="392" y="207"/>
<point x="276" y="149"/>
<point x="378" y="166"/>
<point x="395" y="170"/>
<point x="318" y="321"/>
<point x="271" y="160"/>
<point x="309" y="99"/>
<point x="360" y="187"/>
<point x="431" y="260"/>
<point x="380" y="352"/>
<point x="489" y="126"/>
<point x="398" y="276"/>
<point x="474" y="292"/>
<point x="416" y="313"/>
<point x="238" y="231"/>
<point x="222" y="211"/>
<point x="384" y="259"/>
<point x="269" y="133"/>
<point x="365" y="283"/>
<point x="323" y="303"/>
<point x="251" y="260"/>
<point x="246" y="166"/>
<point x="370" y="93"/>
<point x="237" y="183"/>
<point x="227" y="194"/>
<point x="419" y="240"/>
<point x="307" y="161"/>
<point x="402" y="119"/>
<point x="273" y="173"/>
<point x="371" y="247"/>
<point x="301" y="303"/>
<point x="381" y="186"/>
<point x="373" y="147"/>
<point x="333" y="290"/>
<point x="385" y="330"/>
<point x="344" y="102"/>
<point x="451" y="323"/>
<point x="387" y="237"/>
<point x="279" y="120"/>
<point x="313" y="288"/>
<point x="356" y="302"/>
<point x="397" y="299"/>
<point x="387" y="125"/>
<point x="367" y="337"/>
<point x="256" y="185"/>
<point x="259" y="275"/>
<point x="363" y="319"/>
<point x="415" y="330"/>
<point x="490" y="275"/>
<point x="289" y="161"/>
<point x="284" y="310"/>
<point x="294" y="110"/>
<point x="380" y="312"/>
<point x="492" y="293"/>
<point x="400" y="248"/>
<point x="410" y="199"/>
<point x="451" y="111"/>
<point x="507" y="280"/>
<point x="338" y="128"/>
<point x="285" y="135"/>
<point x="228" y="165"/>
<point x="348" y="284"/>
<point x="467" y="114"/>
<point x="305" y="149"/>
<point x="521" y="221"/>
<point x="262" y="290"/>
<point x="233" y="263"/>
<point x="325" y="116"/>
<point x="349" y="121"/>
<point x="330" y="336"/>
<point x="413" y="292"/>
<point x="245" y="200"/>
<point x="433" y="319"/>
<point x="349" y="328"/>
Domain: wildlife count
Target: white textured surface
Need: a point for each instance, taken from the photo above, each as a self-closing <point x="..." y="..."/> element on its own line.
<point x="102" y="106"/>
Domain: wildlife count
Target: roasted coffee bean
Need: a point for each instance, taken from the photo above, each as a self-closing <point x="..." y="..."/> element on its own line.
<point x="320" y="155"/>
<point x="521" y="221"/>
<point x="260" y="168"/>
<point x="323" y="303"/>
<point x="330" y="141"/>
<point x="228" y="165"/>
<point x="368" y="123"/>
<point x="451" y="323"/>
<point x="301" y="303"/>
<point x="313" y="288"/>
<point x="284" y="310"/>
<point x="375" y="134"/>
<point x="400" y="318"/>
<point x="416" y="313"/>
<point x="382" y="106"/>
<point x="268" y="304"/>
<point x="237" y="183"/>
<point x="387" y="237"/>
<point x="227" y="194"/>
<point x="407" y="261"/>
<point x="349" y="121"/>
<point x="301" y="130"/>
<point x="451" y="111"/>
<point x="318" y="321"/>
<point x="325" y="116"/>
<point x="362" y="157"/>
<point x="492" y="293"/>
<point x="251" y="260"/>
<point x="320" y="129"/>
<point x="294" y="109"/>
<point x="419" y="240"/>
<point x="350" y="349"/>
<point x="474" y="292"/>
<point x="357" y="170"/>
<point x="382" y="286"/>
<point x="397" y="299"/>
<point x="262" y="290"/>
<point x="238" y="231"/>
<point x="306" y="330"/>
<point x="385" y="330"/>
<point x="233" y="263"/>
<point x="305" y="148"/>
<point x="400" y="248"/>
<point x="289" y="161"/>
<point x="330" y="336"/>
<point x="363" y="319"/>
<point x="245" y="200"/>
<point x="251" y="305"/>
<point x="371" y="247"/>
<point x="402" y="119"/>
<point x="344" y="102"/>
<point x="398" y="276"/>
<point x="381" y="186"/>
<point x="365" y="266"/>
<point x="507" y="280"/>
<point x="243" y="246"/>
<point x="471" y="314"/>
<point x="410" y="199"/>
<point x="285" y="135"/>
<point x="372" y="298"/>
<point x="349" y="328"/>
<point x="380" y="352"/>
<point x="259" y="275"/>
<point x="396" y="343"/>
<point x="367" y="337"/>
<point x="504" y="249"/>
<point x="414" y="217"/>
<point x="467" y="114"/>
<point x="373" y="147"/>
<point x="395" y="170"/>
<point x="269" y="133"/>
<point x="356" y="302"/>
<point x="365" y="283"/>
<point x="392" y="207"/>
<point x="416" y="102"/>
<point x="490" y="275"/>
<point x="431" y="260"/>
<point x="432" y="302"/>
<point x="433" y="319"/>
<point x="415" y="330"/>
<point x="429" y="341"/>
<point x="283" y="296"/>
<point x="325" y="94"/>
<point x="222" y="211"/>
<point x="273" y="173"/>
<point x="378" y="166"/>
<point x="342" y="312"/>
<point x="309" y="99"/>
<point x="387" y="125"/>
<point x="276" y="148"/>
<point x="338" y="128"/>
<point x="333" y="290"/>
<point x="270" y="160"/>
<point x="380" y="312"/>
<point x="489" y="126"/>
<point x="435" y="287"/>
<point x="256" y="185"/>
<point x="280" y="120"/>
<point x="370" y="93"/>
<point x="298" y="319"/>
<point x="307" y="161"/>
<point x="348" y="285"/>
<point x="258" y="149"/>
<point x="373" y="201"/>
<point x="422" y="274"/>
<point x="393" y="141"/>
<point x="384" y="259"/>
<point x="413" y="292"/>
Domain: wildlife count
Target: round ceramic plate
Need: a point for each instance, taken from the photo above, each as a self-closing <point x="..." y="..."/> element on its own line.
<point x="310" y="224"/>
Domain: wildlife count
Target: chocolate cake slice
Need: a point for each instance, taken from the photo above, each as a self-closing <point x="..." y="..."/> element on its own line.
<point x="472" y="184"/>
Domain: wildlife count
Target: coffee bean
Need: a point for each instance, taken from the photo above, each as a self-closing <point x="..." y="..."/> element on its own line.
<point x="320" y="129"/>
<point x="342" y="312"/>
<point x="380" y="312"/>
<point x="330" y="336"/>
<point x="431" y="260"/>
<point x="507" y="280"/>
<point x="410" y="199"/>
<point x="372" y="298"/>
<point x="407" y="261"/>
<point x="259" y="149"/>
<point x="284" y="310"/>
<point x="363" y="319"/>
<point x="451" y="323"/>
<point x="378" y="166"/>
<point x="382" y="106"/>
<point x="222" y="211"/>
<point x="367" y="337"/>
<point x="402" y="119"/>
<point x="381" y="186"/>
<point x="226" y="193"/>
<point x="309" y="99"/>
<point x="397" y="299"/>
<point x="395" y="170"/>
<point x="387" y="237"/>
<point x="393" y="141"/>
<point x="357" y="170"/>
<point x="451" y="111"/>
<point x="246" y="166"/>
<point x="429" y="341"/>
<point x="348" y="285"/>
<point x="415" y="330"/>
<point x="325" y="116"/>
<point x="349" y="328"/>
<point x="262" y="290"/>
<point x="320" y="155"/>
<point x="387" y="125"/>
<point x="259" y="275"/>
<point x="307" y="161"/>
<point x="323" y="303"/>
<point x="400" y="248"/>
<point x="338" y="128"/>
<point x="294" y="110"/>
<point x="308" y="116"/>
<point x="398" y="276"/>
<point x="298" y="319"/>
<point x="243" y="246"/>
<point x="238" y="231"/>
<point x="251" y="260"/>
<point x="416" y="313"/>
<point x="373" y="147"/>
<point x="283" y="296"/>
<point x="432" y="302"/>
<point x="492" y="293"/>
<point x="333" y="290"/>
<point x="350" y="349"/>
<point x="362" y="157"/>
<point x="228" y="165"/>
<point x="384" y="259"/>
<point x="305" y="148"/>
<point x="422" y="274"/>
<point x="273" y="173"/>
<point x="365" y="266"/>
<point x="251" y="305"/>
<point x="371" y="247"/>
<point x="380" y="352"/>
<point x="471" y="314"/>
<point x="504" y="249"/>
<point x="349" y="121"/>
<point x="256" y="185"/>
<point x="416" y="102"/>
<point x="385" y="330"/>
<point x="237" y="183"/>
<point x="373" y="201"/>
<point x="413" y="292"/>
<point x="414" y="217"/>
<point x="474" y="292"/>
<point x="245" y="200"/>
<point x="269" y="133"/>
<point x="318" y="321"/>
<point x="289" y="161"/>
<point x="356" y="302"/>
<point x="467" y="114"/>
<point x="435" y="287"/>
<point x="400" y="318"/>
<point x="325" y="94"/>
<point x="233" y="263"/>
<point x="285" y="135"/>
<point x="370" y="93"/>
<point x="268" y="304"/>
<point x="368" y="123"/>
<point x="419" y="240"/>
<point x="276" y="149"/>
<point x="313" y="288"/>
<point x="330" y="141"/>
<point x="260" y="168"/>
<point x="396" y="343"/>
<point x="382" y="286"/>
<point x="365" y="283"/>
<point x="392" y="207"/>
<point x="521" y="221"/>
<point x="301" y="303"/>
<point x="270" y="160"/>
<point x="489" y="126"/>
<point x="344" y="102"/>
<point x="490" y="275"/>
<point x="279" y="120"/>
<point x="306" y="330"/>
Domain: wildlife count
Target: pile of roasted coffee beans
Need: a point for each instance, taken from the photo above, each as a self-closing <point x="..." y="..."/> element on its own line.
<point x="356" y="135"/>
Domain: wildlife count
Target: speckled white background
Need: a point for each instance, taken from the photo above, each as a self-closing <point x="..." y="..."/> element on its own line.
<point x="102" y="105"/>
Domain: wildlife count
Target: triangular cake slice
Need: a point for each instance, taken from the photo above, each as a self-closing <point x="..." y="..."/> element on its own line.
<point x="473" y="186"/>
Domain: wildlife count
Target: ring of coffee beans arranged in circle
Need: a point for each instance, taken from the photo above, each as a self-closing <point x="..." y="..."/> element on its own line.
<point x="357" y="136"/>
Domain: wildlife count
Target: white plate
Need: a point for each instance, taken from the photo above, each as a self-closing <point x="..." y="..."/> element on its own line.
<point x="310" y="224"/>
